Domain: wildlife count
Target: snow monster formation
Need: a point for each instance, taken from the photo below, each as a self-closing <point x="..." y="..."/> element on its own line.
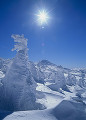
<point x="18" y="90"/>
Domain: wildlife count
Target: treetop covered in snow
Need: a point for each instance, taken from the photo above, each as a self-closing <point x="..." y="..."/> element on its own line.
<point x="21" y="42"/>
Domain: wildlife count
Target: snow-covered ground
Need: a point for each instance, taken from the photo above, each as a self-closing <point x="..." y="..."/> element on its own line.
<point x="55" y="103"/>
<point x="50" y="100"/>
<point x="31" y="115"/>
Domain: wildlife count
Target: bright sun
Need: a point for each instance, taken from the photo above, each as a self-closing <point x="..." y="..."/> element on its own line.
<point x="42" y="17"/>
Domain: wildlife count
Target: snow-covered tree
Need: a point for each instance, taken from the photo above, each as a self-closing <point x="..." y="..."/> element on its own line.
<point x="19" y="88"/>
<point x="70" y="79"/>
<point x="21" y="42"/>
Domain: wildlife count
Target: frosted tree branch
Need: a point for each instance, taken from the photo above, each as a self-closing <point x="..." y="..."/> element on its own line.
<point x="21" y="42"/>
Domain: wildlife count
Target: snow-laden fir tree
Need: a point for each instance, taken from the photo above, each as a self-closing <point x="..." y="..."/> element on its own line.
<point x="18" y="91"/>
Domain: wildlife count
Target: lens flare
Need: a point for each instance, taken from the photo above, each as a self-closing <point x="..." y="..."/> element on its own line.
<point x="42" y="17"/>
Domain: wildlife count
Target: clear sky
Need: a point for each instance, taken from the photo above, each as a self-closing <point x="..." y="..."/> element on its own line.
<point x="62" y="41"/>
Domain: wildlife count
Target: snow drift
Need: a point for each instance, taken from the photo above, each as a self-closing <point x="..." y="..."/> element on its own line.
<point x="70" y="110"/>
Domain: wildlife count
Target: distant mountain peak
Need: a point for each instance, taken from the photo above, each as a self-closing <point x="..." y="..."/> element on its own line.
<point x="45" y="62"/>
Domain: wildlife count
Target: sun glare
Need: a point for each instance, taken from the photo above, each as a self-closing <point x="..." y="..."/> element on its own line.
<point x="42" y="17"/>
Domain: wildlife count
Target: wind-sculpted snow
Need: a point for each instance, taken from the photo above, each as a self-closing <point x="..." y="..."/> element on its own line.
<point x="31" y="115"/>
<point x="70" y="110"/>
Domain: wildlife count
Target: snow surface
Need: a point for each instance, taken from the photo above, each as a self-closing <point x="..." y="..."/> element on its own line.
<point x="58" y="107"/>
<point x="51" y="98"/>
<point x="31" y="115"/>
<point x="69" y="110"/>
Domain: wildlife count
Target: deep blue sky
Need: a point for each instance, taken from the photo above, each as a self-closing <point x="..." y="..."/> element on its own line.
<point x="62" y="41"/>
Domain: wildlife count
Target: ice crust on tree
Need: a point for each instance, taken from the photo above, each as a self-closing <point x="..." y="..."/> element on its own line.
<point x="21" y="42"/>
<point x="18" y="91"/>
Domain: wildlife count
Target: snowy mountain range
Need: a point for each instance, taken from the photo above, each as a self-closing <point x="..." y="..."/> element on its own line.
<point x="45" y="71"/>
<point x="49" y="73"/>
